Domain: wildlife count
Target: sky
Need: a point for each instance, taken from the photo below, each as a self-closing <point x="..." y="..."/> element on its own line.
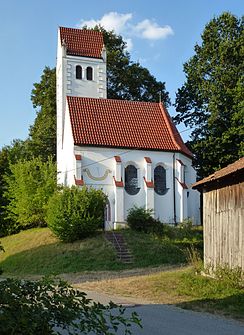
<point x="160" y="35"/>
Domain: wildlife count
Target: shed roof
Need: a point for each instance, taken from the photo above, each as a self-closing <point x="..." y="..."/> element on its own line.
<point x="123" y="124"/>
<point x="230" y="169"/>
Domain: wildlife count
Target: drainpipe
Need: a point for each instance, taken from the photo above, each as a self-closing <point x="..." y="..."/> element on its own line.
<point x="174" y="190"/>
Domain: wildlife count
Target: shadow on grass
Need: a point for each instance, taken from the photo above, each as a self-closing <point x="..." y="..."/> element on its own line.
<point x="231" y="306"/>
<point x="92" y="254"/>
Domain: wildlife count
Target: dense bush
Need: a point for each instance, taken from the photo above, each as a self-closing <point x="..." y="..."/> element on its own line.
<point x="48" y="306"/>
<point x="184" y="231"/>
<point x="76" y="213"/>
<point x="140" y="219"/>
<point x="231" y="277"/>
<point x="29" y="187"/>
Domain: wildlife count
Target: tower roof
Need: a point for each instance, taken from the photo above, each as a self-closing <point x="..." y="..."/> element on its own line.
<point x="84" y="43"/>
<point x="123" y="124"/>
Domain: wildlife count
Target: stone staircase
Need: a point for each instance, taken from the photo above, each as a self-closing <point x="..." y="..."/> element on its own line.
<point x="120" y="245"/>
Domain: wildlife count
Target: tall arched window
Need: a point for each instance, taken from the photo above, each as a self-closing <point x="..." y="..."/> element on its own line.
<point x="89" y="73"/>
<point x="160" y="180"/>
<point x="131" y="180"/>
<point x="78" y="71"/>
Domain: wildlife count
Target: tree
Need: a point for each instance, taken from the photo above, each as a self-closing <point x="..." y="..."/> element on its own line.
<point x="50" y="306"/>
<point x="9" y="155"/>
<point x="29" y="187"/>
<point x="126" y="80"/>
<point x="43" y="132"/>
<point x="211" y="99"/>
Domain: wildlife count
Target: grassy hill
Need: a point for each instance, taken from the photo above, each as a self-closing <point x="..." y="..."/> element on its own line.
<point x="38" y="252"/>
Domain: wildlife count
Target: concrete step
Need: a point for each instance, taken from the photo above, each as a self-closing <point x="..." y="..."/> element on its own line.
<point x="117" y="239"/>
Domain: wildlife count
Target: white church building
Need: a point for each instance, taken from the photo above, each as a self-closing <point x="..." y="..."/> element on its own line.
<point x="129" y="149"/>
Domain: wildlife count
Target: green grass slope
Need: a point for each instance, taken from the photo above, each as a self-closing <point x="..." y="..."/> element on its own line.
<point x="38" y="252"/>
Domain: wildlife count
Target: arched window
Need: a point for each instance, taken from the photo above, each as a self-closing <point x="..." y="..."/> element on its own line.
<point x="89" y="73"/>
<point x="107" y="212"/>
<point x="78" y="71"/>
<point x="131" y="180"/>
<point x="160" y="180"/>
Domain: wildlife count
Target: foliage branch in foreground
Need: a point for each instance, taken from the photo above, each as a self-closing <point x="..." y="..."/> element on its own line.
<point x="49" y="306"/>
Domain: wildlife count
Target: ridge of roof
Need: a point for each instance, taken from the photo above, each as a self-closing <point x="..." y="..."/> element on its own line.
<point x="82" y="42"/>
<point x="124" y="124"/>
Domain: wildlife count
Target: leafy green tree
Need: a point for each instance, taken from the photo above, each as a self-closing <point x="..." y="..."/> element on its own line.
<point x="9" y="155"/>
<point x="29" y="187"/>
<point x="43" y="132"/>
<point x="211" y="99"/>
<point x="128" y="80"/>
<point x="50" y="306"/>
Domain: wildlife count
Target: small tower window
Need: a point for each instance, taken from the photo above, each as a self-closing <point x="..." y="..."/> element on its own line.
<point x="131" y="180"/>
<point x="78" y="72"/>
<point x="160" y="180"/>
<point x="89" y="73"/>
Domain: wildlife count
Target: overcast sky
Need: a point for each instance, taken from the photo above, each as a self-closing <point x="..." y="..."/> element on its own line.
<point x="160" y="35"/>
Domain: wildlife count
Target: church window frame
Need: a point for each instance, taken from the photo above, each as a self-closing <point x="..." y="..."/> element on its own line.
<point x="89" y="73"/>
<point x="78" y="72"/>
<point x="131" y="179"/>
<point x="160" y="180"/>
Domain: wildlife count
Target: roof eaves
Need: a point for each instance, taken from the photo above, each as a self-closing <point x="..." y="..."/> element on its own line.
<point x="229" y="170"/>
<point x="173" y="131"/>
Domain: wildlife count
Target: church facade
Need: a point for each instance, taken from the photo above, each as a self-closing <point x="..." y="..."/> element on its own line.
<point x="129" y="149"/>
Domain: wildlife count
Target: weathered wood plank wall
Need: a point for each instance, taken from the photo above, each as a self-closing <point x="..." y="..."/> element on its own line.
<point x="223" y="221"/>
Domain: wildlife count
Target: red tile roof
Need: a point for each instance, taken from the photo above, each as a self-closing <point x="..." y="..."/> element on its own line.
<point x="183" y="184"/>
<point x="86" y="43"/>
<point x="118" y="183"/>
<point x="123" y="124"/>
<point x="149" y="183"/>
<point x="78" y="157"/>
<point x="230" y="169"/>
<point x="117" y="159"/>
<point x="79" y="182"/>
<point x="148" y="160"/>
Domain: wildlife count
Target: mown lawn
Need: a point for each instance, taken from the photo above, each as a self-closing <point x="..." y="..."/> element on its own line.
<point x="38" y="252"/>
<point x="151" y="250"/>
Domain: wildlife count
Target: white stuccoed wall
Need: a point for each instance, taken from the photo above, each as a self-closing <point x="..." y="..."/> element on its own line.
<point x="95" y="88"/>
<point x="99" y="169"/>
<point x="67" y="84"/>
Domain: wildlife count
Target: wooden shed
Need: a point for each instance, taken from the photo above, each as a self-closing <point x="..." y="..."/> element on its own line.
<point x="223" y="216"/>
